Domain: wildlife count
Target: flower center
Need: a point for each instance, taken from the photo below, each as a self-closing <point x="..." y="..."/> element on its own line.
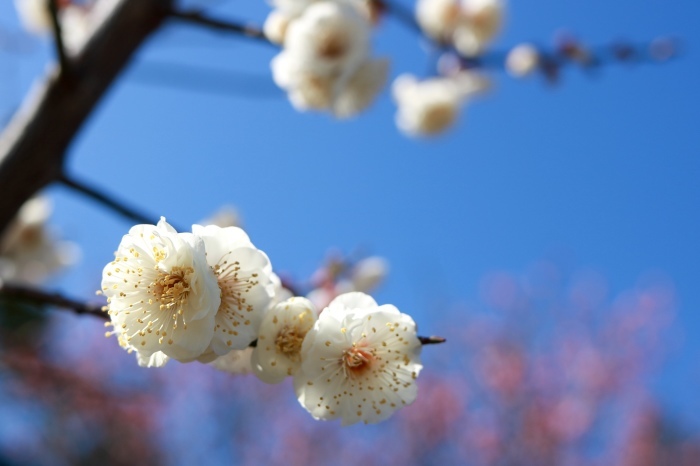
<point x="288" y="342"/>
<point x="438" y="116"/>
<point x="357" y="361"/>
<point x="171" y="289"/>
<point x="333" y="46"/>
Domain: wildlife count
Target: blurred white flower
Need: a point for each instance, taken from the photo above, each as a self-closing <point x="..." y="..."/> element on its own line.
<point x="278" y="351"/>
<point x="362" y="88"/>
<point x="480" y="22"/>
<point x="431" y="106"/>
<point x="34" y="15"/>
<point x="246" y="284"/>
<point x="226" y="216"/>
<point x="359" y="361"/>
<point x="329" y="38"/>
<point x="438" y="18"/>
<point x="325" y="63"/>
<point x="469" y="25"/>
<point x="29" y="251"/>
<point x="235" y="362"/>
<point x="368" y="273"/>
<point x="157" y="359"/>
<point x="338" y="277"/>
<point x="522" y="60"/>
<point x="275" y="26"/>
<point x="322" y="296"/>
<point x="162" y="295"/>
<point x="75" y="27"/>
<point x="74" y="20"/>
<point x="306" y="89"/>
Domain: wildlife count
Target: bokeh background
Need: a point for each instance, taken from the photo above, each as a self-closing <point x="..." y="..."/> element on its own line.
<point x="552" y="236"/>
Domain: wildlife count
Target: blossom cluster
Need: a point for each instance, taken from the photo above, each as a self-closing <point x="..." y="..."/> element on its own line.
<point x="468" y="25"/>
<point x="211" y="296"/>
<point x="325" y="63"/>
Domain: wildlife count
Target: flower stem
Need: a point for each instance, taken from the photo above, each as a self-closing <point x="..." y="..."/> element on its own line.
<point x="196" y="17"/>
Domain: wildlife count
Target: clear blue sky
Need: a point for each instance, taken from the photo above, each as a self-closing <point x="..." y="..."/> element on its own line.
<point x="602" y="170"/>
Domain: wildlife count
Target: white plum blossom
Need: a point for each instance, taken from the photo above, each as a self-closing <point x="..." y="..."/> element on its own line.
<point x="246" y="283"/>
<point x="325" y="63"/>
<point x="29" y="250"/>
<point x="468" y="25"/>
<point x="431" y="106"/>
<point x="359" y="361"/>
<point x="522" y="60"/>
<point x="162" y="295"/>
<point x="278" y="351"/>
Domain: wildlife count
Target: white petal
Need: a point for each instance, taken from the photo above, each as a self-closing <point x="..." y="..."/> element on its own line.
<point x="351" y="301"/>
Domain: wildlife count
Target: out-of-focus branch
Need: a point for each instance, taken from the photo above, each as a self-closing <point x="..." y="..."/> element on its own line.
<point x="34" y="144"/>
<point x="197" y="18"/>
<point x="571" y="52"/>
<point x="36" y="296"/>
<point x="106" y="200"/>
<point x="58" y="35"/>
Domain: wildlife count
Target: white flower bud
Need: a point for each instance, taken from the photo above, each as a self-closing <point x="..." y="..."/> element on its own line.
<point x="522" y="60"/>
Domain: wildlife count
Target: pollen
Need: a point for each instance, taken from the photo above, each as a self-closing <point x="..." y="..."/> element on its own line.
<point x="357" y="361"/>
<point x="172" y="289"/>
<point x="288" y="342"/>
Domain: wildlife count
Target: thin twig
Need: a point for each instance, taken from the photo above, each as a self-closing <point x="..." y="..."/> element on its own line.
<point x="401" y="13"/>
<point x="423" y="340"/>
<point x="58" y="36"/>
<point x="432" y="340"/>
<point x="36" y="296"/>
<point x="108" y="201"/>
<point x="196" y="17"/>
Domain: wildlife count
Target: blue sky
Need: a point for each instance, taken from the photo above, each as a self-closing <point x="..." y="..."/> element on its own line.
<point x="601" y="171"/>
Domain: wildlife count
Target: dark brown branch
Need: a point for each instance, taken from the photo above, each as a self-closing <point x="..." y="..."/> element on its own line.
<point x="197" y="18"/>
<point x="35" y="296"/>
<point x="107" y="201"/>
<point x="34" y="144"/>
<point x="432" y="340"/>
<point x="52" y="5"/>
